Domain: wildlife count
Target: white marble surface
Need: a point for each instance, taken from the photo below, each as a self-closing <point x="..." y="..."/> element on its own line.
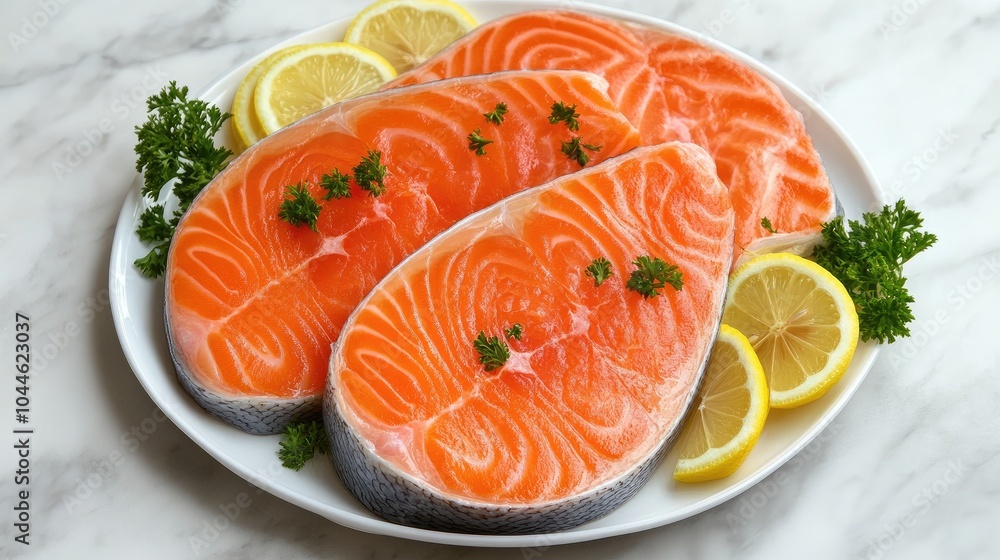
<point x="908" y="470"/>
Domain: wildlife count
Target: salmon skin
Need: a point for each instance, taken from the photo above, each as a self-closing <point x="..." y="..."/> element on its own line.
<point x="593" y="392"/>
<point x="253" y="303"/>
<point x="673" y="88"/>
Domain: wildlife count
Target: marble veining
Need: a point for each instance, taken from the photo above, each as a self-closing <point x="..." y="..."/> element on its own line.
<point x="908" y="470"/>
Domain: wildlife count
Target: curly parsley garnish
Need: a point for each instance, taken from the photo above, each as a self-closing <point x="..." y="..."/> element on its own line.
<point x="496" y="115"/>
<point x="493" y="352"/>
<point x="516" y="331"/>
<point x="574" y="150"/>
<point x="869" y="260"/>
<point x="370" y="173"/>
<point x="337" y="185"/>
<point x="300" y="442"/>
<point x="599" y="270"/>
<point x="653" y="274"/>
<point x="478" y="143"/>
<point x="299" y="207"/>
<point x="177" y="142"/>
<point x="563" y="113"/>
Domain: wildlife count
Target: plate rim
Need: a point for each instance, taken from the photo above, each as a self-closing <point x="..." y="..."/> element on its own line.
<point x="119" y="261"/>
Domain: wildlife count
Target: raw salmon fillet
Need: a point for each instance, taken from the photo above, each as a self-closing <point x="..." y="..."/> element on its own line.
<point x="577" y="418"/>
<point x="253" y="303"/>
<point x="673" y="88"/>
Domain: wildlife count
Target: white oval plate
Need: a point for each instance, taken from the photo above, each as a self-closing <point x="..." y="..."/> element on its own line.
<point x="137" y="305"/>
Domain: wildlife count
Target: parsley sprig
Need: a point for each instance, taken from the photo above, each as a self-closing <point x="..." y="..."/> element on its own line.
<point x="337" y="185"/>
<point x="869" y="260"/>
<point x="153" y="226"/>
<point x="176" y="143"/>
<point x="370" y="173"/>
<point x="300" y="442"/>
<point x="652" y="274"/>
<point x="574" y="150"/>
<point x="765" y="223"/>
<point x="599" y="270"/>
<point x="299" y="207"/>
<point x="478" y="143"/>
<point x="493" y="352"/>
<point x="565" y="113"/>
<point x="516" y="331"/>
<point x="497" y="114"/>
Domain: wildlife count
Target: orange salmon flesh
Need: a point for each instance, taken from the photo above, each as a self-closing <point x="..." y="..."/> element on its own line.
<point x="254" y="303"/>
<point x="601" y="375"/>
<point x="671" y="88"/>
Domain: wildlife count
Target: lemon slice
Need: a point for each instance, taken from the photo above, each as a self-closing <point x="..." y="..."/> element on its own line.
<point x="312" y="77"/>
<point x="800" y="320"/>
<point x="245" y="122"/>
<point x="729" y="412"/>
<point x="408" y="32"/>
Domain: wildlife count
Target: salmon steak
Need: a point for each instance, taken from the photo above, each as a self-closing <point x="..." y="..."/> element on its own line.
<point x="673" y="88"/>
<point x="253" y="303"/>
<point x="597" y="378"/>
